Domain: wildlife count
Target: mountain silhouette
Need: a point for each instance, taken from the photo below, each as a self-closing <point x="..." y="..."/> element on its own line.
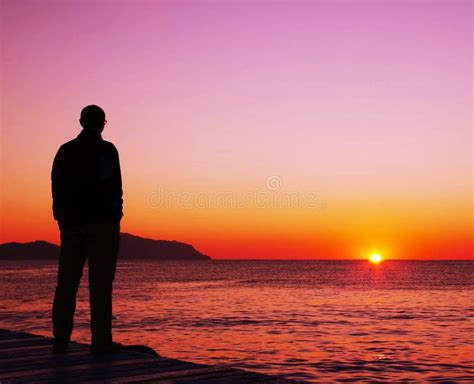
<point x="35" y="250"/>
<point x="131" y="248"/>
<point x="135" y="247"/>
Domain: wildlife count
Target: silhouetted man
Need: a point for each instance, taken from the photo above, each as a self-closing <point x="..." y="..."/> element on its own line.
<point x="87" y="203"/>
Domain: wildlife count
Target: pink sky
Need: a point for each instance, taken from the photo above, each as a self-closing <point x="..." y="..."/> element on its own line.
<point x="366" y="103"/>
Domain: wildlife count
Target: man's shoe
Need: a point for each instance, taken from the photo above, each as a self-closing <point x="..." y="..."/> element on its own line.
<point x="112" y="347"/>
<point x="60" y="346"/>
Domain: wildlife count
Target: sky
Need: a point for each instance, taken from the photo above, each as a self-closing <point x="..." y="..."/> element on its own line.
<point x="251" y="129"/>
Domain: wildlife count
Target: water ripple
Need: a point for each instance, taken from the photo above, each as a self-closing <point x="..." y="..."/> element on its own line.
<point x="312" y="321"/>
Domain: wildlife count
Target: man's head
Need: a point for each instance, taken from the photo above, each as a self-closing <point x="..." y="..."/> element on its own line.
<point x="93" y="118"/>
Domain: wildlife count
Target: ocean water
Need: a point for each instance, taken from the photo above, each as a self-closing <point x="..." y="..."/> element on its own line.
<point x="318" y="321"/>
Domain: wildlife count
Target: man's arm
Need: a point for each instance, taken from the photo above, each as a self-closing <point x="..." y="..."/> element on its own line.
<point x="56" y="185"/>
<point x="111" y="182"/>
<point x="118" y="195"/>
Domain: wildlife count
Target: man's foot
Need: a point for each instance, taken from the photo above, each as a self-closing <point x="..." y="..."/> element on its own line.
<point x="60" y="346"/>
<point x="112" y="347"/>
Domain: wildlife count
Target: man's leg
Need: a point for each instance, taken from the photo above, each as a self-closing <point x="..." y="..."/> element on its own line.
<point x="71" y="262"/>
<point x="102" y="239"/>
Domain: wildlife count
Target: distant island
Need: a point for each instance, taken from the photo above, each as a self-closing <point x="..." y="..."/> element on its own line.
<point x="131" y="248"/>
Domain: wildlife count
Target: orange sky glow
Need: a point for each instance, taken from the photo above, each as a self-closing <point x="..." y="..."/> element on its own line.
<point x="315" y="130"/>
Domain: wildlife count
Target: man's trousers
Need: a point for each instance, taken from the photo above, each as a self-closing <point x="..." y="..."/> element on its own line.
<point x="98" y="242"/>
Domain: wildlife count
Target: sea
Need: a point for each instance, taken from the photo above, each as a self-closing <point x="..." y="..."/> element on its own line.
<point x="314" y="321"/>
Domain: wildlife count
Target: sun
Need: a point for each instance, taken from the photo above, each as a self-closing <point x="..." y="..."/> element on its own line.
<point x="375" y="258"/>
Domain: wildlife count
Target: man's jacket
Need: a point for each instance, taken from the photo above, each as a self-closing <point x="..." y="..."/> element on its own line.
<point x="86" y="181"/>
